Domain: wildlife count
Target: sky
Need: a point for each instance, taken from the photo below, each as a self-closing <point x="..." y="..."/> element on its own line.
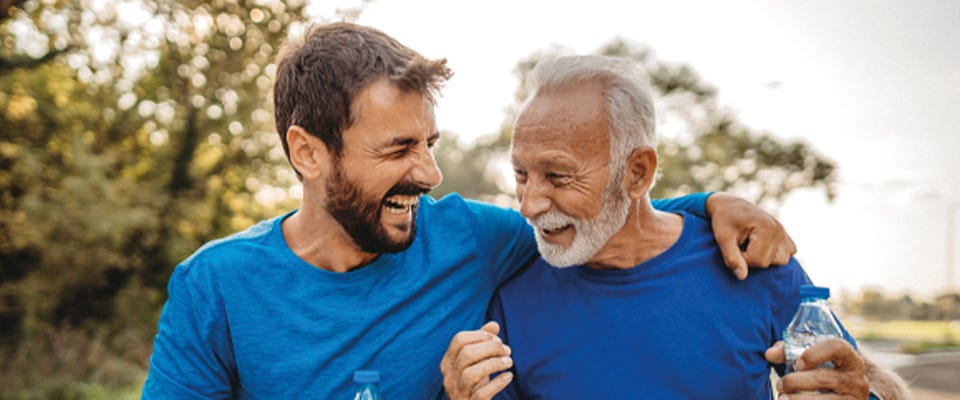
<point x="873" y="85"/>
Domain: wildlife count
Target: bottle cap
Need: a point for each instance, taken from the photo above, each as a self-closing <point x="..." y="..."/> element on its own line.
<point x="814" y="291"/>
<point x="366" y="376"/>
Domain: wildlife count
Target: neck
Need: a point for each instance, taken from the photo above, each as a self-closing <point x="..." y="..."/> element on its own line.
<point x="647" y="233"/>
<point x="317" y="238"/>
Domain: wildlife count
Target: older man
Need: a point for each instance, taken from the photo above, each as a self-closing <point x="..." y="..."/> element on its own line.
<point x="627" y="301"/>
<point x="368" y="273"/>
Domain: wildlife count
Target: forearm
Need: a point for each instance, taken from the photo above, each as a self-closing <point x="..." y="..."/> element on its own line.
<point x="885" y="382"/>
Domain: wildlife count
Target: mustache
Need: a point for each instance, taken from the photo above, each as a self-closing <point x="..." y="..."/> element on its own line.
<point x="407" y="188"/>
<point x="551" y="220"/>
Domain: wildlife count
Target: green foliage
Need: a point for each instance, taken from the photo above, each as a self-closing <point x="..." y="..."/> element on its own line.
<point x="875" y="306"/>
<point x="472" y="171"/>
<point x="914" y="337"/>
<point x="127" y="139"/>
<point x="705" y="148"/>
<point x="948" y="344"/>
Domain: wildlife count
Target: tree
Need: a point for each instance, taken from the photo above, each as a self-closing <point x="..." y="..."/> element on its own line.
<point x="710" y="150"/>
<point x="130" y="133"/>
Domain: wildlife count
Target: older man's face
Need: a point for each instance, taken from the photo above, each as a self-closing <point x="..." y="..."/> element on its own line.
<point x="561" y="154"/>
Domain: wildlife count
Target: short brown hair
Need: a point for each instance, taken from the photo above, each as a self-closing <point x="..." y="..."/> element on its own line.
<point x="320" y="74"/>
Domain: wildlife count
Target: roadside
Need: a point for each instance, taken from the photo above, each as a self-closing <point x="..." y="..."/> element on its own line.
<point x="932" y="376"/>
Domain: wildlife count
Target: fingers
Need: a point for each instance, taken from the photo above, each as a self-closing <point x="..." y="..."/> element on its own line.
<point x="496" y="385"/>
<point x="471" y="358"/>
<point x="462" y="339"/>
<point x="776" y="353"/>
<point x="847" y="379"/>
<point x="835" y="350"/>
<point x="815" y="396"/>
<point x="747" y="235"/>
<point x="732" y="255"/>
<point x="769" y="245"/>
<point x="763" y="247"/>
<point x="491" y="327"/>
<point x="477" y="376"/>
<point x="789" y="249"/>
<point x="842" y="384"/>
<point x="785" y="249"/>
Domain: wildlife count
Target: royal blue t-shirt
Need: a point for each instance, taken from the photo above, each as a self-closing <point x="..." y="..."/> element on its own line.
<point x="246" y="318"/>
<point x="678" y="326"/>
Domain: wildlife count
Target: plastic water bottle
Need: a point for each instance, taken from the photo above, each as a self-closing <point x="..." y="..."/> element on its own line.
<point x="813" y="322"/>
<point x="366" y="381"/>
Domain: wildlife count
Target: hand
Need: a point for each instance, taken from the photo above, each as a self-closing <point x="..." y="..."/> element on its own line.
<point x="847" y="380"/>
<point x="747" y="235"/>
<point x="470" y="360"/>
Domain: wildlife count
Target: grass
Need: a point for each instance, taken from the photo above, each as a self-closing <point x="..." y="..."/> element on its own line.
<point x="93" y="391"/>
<point x="916" y="337"/>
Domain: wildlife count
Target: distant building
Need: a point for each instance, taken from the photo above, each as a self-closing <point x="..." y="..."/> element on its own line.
<point x="948" y="306"/>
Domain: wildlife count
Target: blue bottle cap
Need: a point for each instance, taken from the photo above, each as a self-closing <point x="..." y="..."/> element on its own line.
<point x="814" y="291"/>
<point x="366" y="376"/>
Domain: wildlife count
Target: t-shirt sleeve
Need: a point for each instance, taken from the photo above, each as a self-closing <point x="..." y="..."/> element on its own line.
<point x="191" y="349"/>
<point x="695" y="204"/>
<point x="506" y="239"/>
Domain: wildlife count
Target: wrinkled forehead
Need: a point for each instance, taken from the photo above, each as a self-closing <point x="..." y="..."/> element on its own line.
<point x="569" y="119"/>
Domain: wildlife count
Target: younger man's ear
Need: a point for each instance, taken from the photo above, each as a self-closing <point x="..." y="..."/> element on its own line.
<point x="641" y="171"/>
<point x="308" y="154"/>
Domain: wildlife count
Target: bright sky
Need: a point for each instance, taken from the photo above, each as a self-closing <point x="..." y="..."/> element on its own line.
<point x="874" y="85"/>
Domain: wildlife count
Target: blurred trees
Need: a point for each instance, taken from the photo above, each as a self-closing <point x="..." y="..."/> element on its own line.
<point x="876" y="305"/>
<point x="130" y="133"/>
<point x="703" y="146"/>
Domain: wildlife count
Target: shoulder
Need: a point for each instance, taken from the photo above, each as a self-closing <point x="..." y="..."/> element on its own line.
<point x="702" y="256"/>
<point x="229" y="251"/>
<point x="477" y="221"/>
<point x="454" y="205"/>
<point x="696" y="225"/>
<point x="534" y="277"/>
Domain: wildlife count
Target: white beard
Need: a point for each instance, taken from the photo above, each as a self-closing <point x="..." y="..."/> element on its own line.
<point x="589" y="236"/>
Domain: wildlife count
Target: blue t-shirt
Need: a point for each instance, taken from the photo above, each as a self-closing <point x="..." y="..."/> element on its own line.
<point x="246" y="318"/>
<point x="678" y="326"/>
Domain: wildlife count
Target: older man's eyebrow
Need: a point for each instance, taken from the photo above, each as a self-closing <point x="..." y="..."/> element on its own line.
<point x="559" y="162"/>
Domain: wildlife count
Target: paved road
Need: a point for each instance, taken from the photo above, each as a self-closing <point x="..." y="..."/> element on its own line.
<point x="934" y="376"/>
<point x="938" y="373"/>
<point x="923" y="394"/>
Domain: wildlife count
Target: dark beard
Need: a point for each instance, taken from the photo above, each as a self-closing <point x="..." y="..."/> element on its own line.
<point x="360" y="215"/>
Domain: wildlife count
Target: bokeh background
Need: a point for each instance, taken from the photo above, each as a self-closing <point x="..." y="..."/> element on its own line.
<point x="132" y="131"/>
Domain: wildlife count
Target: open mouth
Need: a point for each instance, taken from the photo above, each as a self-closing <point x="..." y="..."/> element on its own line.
<point x="400" y="204"/>
<point x="555" y="231"/>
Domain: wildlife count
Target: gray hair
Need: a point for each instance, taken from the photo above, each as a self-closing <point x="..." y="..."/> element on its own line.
<point x="629" y="104"/>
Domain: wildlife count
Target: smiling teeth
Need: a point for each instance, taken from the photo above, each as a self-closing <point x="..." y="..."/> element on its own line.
<point x="401" y="204"/>
<point x="554" y="230"/>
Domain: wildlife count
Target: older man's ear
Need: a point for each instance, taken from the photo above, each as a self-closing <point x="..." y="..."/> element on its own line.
<point x="641" y="172"/>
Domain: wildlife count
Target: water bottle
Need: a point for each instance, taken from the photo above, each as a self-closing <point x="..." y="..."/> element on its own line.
<point x="366" y="381"/>
<point x="813" y="322"/>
